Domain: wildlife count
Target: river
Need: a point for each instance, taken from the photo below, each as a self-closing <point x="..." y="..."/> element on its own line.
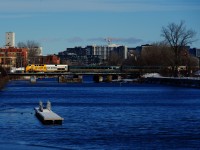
<point x="100" y="116"/>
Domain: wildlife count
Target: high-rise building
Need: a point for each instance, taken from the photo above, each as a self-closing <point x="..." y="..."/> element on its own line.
<point x="105" y="51"/>
<point x="10" y="39"/>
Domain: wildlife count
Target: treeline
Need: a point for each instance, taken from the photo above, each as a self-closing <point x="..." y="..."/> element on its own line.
<point x="171" y="52"/>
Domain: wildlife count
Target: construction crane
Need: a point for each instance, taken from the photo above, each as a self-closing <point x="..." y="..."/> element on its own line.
<point x="108" y="40"/>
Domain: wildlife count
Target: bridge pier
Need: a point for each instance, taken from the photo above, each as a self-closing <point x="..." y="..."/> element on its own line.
<point x="116" y="77"/>
<point x="70" y="79"/>
<point x="33" y="79"/>
<point x="98" y="78"/>
<point x="106" y="78"/>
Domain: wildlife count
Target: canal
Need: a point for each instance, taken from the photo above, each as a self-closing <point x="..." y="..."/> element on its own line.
<point x="100" y="116"/>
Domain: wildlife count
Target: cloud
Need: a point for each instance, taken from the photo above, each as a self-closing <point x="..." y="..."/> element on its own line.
<point x="78" y="40"/>
<point x="96" y="5"/>
<point x="99" y="39"/>
<point x="130" y="40"/>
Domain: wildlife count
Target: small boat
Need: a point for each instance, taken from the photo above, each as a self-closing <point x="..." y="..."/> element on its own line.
<point x="46" y="115"/>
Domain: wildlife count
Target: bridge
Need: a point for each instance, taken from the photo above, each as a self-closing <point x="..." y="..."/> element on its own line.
<point x="72" y="76"/>
<point x="99" y="72"/>
<point x="67" y="73"/>
<point x="96" y="70"/>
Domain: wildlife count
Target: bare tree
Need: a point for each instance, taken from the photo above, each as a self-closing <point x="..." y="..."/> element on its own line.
<point x="132" y="59"/>
<point x="177" y="37"/>
<point x="114" y="59"/>
<point x="159" y="54"/>
<point x="32" y="49"/>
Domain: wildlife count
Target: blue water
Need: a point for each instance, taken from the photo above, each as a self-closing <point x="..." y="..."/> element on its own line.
<point x="101" y="116"/>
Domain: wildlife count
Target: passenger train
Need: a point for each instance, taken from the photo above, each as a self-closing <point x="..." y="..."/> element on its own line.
<point x="65" y="68"/>
<point x="46" y="68"/>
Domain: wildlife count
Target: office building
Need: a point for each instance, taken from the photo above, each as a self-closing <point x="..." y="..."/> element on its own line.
<point x="10" y="39"/>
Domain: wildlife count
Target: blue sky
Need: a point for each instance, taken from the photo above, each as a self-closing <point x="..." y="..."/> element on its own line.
<point x="59" y="24"/>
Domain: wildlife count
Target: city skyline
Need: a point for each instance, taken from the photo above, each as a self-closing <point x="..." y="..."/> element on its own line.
<point x="59" y="24"/>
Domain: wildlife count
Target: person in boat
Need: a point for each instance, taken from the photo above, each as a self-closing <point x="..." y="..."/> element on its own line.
<point x="41" y="106"/>
<point x="48" y="105"/>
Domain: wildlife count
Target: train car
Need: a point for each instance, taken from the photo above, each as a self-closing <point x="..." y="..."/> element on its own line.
<point x="46" y="68"/>
<point x="97" y="69"/>
<point x="17" y="70"/>
<point x="147" y="69"/>
<point x="56" y="68"/>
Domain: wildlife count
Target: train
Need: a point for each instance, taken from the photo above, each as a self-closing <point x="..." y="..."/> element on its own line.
<point x="50" y="68"/>
<point x="46" y="68"/>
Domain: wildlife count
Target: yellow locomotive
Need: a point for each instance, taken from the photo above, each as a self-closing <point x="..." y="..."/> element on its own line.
<point x="46" y="68"/>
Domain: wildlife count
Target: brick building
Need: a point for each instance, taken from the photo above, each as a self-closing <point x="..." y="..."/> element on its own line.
<point x="50" y="59"/>
<point x="13" y="57"/>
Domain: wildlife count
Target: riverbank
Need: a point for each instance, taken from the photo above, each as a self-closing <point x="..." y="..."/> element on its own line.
<point x="3" y="81"/>
<point x="174" y="81"/>
<point x="3" y="77"/>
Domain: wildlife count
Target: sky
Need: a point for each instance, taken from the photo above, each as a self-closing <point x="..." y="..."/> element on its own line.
<point x="60" y="24"/>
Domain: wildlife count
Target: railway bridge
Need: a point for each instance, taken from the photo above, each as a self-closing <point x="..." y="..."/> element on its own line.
<point x="73" y="76"/>
<point x="100" y="73"/>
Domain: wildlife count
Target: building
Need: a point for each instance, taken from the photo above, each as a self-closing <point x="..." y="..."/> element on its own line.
<point x="121" y="51"/>
<point x="73" y="56"/>
<point x="195" y="52"/>
<point x="78" y="56"/>
<point x="104" y="51"/>
<point x="10" y="56"/>
<point x="50" y="59"/>
<point x="10" y="39"/>
<point x="13" y="57"/>
<point x="79" y="51"/>
<point x="198" y="53"/>
<point x="92" y="54"/>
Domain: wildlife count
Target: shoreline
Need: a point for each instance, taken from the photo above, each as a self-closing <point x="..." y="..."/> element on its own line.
<point x="3" y="82"/>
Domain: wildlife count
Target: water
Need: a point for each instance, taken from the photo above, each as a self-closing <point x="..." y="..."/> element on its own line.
<point x="100" y="116"/>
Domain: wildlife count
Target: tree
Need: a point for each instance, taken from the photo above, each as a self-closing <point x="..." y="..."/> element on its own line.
<point x="132" y="59"/>
<point x="114" y="59"/>
<point x="3" y="72"/>
<point x="158" y="54"/>
<point x="177" y="37"/>
<point x="33" y="48"/>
